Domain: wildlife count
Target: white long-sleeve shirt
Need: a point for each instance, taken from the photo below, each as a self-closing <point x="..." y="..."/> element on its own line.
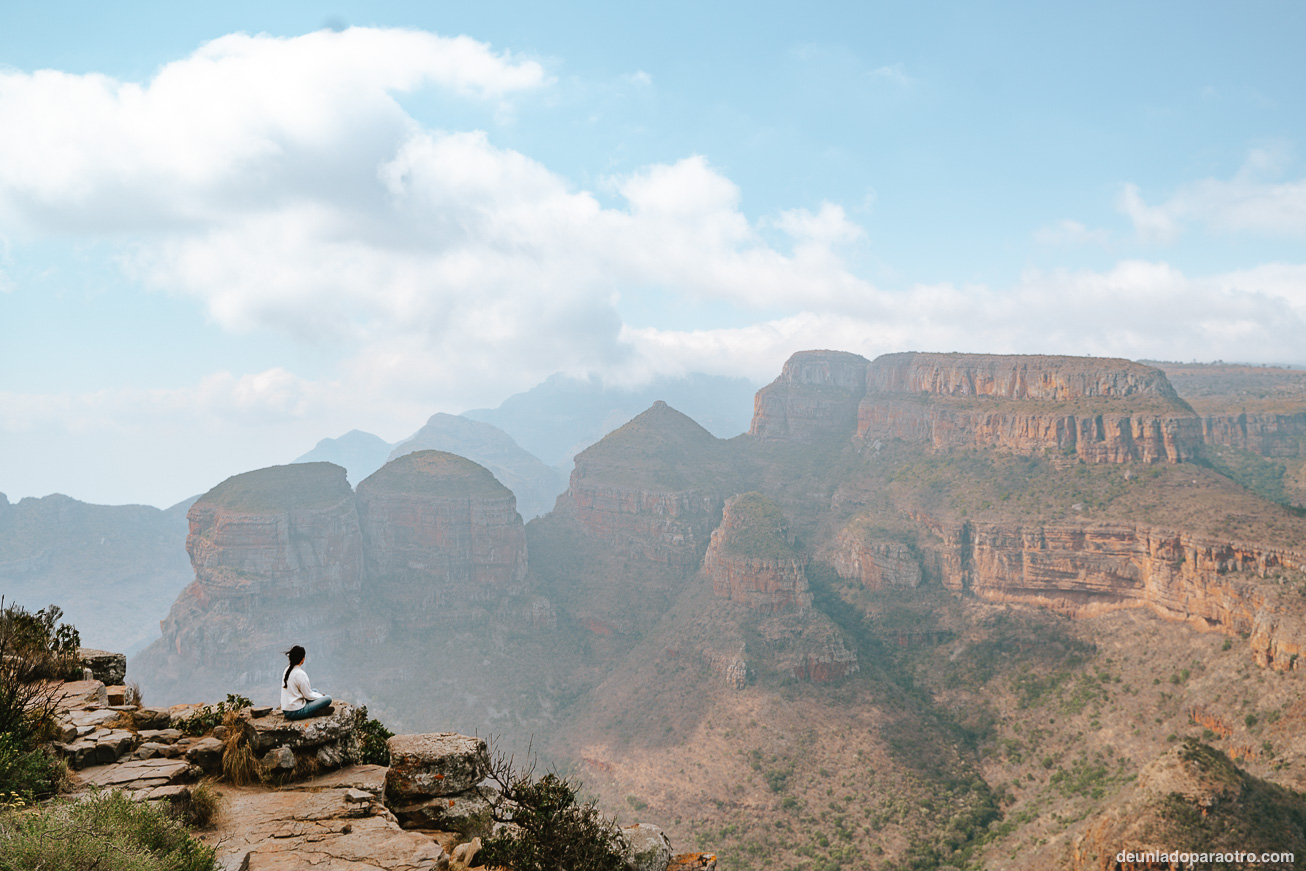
<point x="297" y="691"/>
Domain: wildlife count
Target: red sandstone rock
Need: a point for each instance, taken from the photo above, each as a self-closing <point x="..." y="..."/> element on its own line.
<point x="1086" y="570"/>
<point x="439" y="532"/>
<point x="878" y="563"/>
<point x="815" y="397"/>
<point x="751" y="558"/>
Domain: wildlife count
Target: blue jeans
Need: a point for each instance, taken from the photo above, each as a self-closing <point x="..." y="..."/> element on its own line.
<point x="311" y="709"/>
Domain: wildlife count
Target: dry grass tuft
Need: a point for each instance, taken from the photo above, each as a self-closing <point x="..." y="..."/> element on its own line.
<point x="238" y="763"/>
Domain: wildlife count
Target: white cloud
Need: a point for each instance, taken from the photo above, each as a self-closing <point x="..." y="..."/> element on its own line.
<point x="893" y="73"/>
<point x="243" y="119"/>
<point x="1249" y="202"/>
<point x="1068" y="233"/>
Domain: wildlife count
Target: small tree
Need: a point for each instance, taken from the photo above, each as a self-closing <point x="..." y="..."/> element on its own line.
<point x="548" y="830"/>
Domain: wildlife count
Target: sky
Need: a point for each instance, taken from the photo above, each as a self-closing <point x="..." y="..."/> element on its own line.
<point x="231" y="230"/>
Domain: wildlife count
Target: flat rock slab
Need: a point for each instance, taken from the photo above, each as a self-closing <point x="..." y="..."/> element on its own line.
<point x="274" y="730"/>
<point x="322" y="829"/>
<point x="76" y="694"/>
<point x="426" y="766"/>
<point x="369" y="778"/>
<point x="93" y="718"/>
<point x="166" y="771"/>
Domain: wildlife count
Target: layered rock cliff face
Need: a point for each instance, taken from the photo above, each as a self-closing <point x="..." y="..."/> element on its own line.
<point x="439" y="531"/>
<point x="653" y="488"/>
<point x="864" y="554"/>
<point x="1103" y="411"/>
<point x="1270" y="435"/>
<point x="753" y="562"/>
<point x="275" y="545"/>
<point x="815" y="397"/>
<point x="1086" y="570"/>
<point x="751" y="558"/>
<point x="292" y="552"/>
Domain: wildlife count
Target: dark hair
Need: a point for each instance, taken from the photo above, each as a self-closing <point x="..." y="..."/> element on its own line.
<point x="296" y="655"/>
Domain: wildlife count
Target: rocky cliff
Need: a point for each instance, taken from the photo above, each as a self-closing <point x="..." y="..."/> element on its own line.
<point x="752" y="559"/>
<point x="815" y="397"/>
<point x="275" y="550"/>
<point x="863" y="553"/>
<point x="439" y="532"/>
<point x="1102" y="411"/>
<point x="1082" y="570"/>
<point x="1267" y="434"/>
<point x="653" y="488"/>
<point x="535" y="485"/>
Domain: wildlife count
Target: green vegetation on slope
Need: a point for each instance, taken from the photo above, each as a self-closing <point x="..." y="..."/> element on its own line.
<point x="759" y="530"/>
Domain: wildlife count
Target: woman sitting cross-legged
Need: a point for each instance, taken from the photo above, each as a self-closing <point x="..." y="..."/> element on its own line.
<point x="299" y="700"/>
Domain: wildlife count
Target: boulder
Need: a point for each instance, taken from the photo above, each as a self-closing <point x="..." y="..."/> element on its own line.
<point x="274" y="730"/>
<point x="153" y="718"/>
<point x="206" y="753"/>
<point x="646" y="847"/>
<point x="280" y="760"/>
<point x="116" y="694"/>
<point x="426" y="766"/>
<point x="467" y="813"/>
<point x="693" y="862"/>
<point x="108" y="668"/>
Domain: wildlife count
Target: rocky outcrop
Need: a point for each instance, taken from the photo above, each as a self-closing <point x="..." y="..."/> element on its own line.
<point x="1270" y="435"/>
<point x="434" y="766"/>
<point x="287" y="747"/>
<point x="653" y="489"/>
<point x="1087" y="570"/>
<point x="815" y="397"/>
<point x="535" y="485"/>
<point x="807" y="647"/>
<point x="107" y="667"/>
<point x="1033" y="378"/>
<point x="1190" y="801"/>
<point x="1102" y="411"/>
<point x="752" y="560"/>
<point x="864" y="554"/>
<point x="439" y="532"/>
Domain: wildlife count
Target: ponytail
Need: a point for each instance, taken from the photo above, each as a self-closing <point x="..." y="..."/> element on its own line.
<point x="296" y="656"/>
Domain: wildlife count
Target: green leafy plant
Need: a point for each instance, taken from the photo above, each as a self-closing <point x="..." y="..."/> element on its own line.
<point x="549" y="829"/>
<point x="107" y="832"/>
<point x="209" y="717"/>
<point x="372" y="736"/>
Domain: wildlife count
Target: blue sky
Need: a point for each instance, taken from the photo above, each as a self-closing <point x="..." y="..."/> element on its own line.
<point x="228" y="232"/>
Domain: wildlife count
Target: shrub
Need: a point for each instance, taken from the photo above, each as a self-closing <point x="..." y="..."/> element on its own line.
<point x="372" y="735"/>
<point x="27" y="774"/>
<point x="238" y="763"/>
<point x="107" y="832"/>
<point x="209" y="717"/>
<point x="199" y="809"/>
<point x="33" y="649"/>
<point x="550" y="830"/>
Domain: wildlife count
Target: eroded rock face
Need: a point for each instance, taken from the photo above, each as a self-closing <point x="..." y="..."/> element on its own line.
<point x="654" y="487"/>
<point x="872" y="559"/>
<point x="1270" y="435"/>
<point x="1102" y="411"/>
<point x="1086" y="570"/>
<point x="751" y="558"/>
<point x="439" y="531"/>
<point x="815" y="397"/>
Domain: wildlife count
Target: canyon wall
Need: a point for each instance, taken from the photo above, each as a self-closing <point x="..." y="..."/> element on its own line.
<point x="1267" y="434"/>
<point x="815" y="397"/>
<point x="876" y="561"/>
<point x="751" y="558"/>
<point x="1101" y="411"/>
<point x="439" y="533"/>
<point x="1081" y="571"/>
<point x="654" y="487"/>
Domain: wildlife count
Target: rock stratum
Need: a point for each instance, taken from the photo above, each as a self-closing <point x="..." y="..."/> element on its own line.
<point x="957" y="600"/>
<point x="293" y="552"/>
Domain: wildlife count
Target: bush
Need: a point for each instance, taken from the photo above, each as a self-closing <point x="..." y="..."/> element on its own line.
<point x="372" y="736"/>
<point x="552" y="831"/>
<point x="209" y="717"/>
<point x="107" y="832"/>
<point x="199" y="809"/>
<point x="33" y="649"/>
<point x="27" y="774"/>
